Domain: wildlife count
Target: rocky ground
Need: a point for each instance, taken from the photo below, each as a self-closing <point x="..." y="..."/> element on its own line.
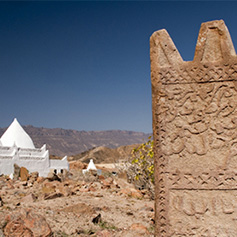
<point x="74" y="205"/>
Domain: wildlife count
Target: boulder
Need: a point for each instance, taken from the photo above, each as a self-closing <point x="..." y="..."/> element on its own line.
<point x="28" y="198"/>
<point x="107" y="182"/>
<point x="33" y="177"/>
<point x="52" y="195"/>
<point x="10" y="184"/>
<point x="26" y="223"/>
<point x="53" y="177"/>
<point x="97" y="219"/>
<point x="66" y="191"/>
<point x="139" y="230"/>
<point x="131" y="192"/>
<point x="24" y="174"/>
<point x="48" y="189"/>
<point x="17" y="229"/>
<point x="136" y="229"/>
<point x="40" y="179"/>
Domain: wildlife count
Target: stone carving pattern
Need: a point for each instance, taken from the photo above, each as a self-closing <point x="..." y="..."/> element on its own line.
<point x="197" y="119"/>
<point x="193" y="209"/>
<point x="192" y="73"/>
<point x="212" y="180"/>
<point x="205" y="112"/>
<point x="194" y="125"/>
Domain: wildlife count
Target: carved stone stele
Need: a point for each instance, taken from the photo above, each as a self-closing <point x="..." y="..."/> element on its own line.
<point x="195" y="134"/>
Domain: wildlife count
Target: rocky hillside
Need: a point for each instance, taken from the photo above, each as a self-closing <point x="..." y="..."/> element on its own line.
<point x="104" y="154"/>
<point x="63" y="142"/>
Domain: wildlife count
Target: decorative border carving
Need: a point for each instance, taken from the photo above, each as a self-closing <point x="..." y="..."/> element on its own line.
<point x="210" y="180"/>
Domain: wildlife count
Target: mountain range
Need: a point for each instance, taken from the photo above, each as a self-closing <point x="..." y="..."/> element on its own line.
<point x="61" y="142"/>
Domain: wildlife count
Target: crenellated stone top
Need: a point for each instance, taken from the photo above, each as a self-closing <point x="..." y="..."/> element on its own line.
<point x="214" y="60"/>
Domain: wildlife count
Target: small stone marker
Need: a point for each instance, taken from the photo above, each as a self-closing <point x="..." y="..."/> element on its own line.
<point x="16" y="174"/>
<point x="24" y="174"/>
<point x="195" y="134"/>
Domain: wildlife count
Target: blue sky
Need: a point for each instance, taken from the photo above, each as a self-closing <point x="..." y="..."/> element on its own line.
<point x="85" y="65"/>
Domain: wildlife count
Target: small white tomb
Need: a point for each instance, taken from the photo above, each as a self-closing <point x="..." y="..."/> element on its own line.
<point x="16" y="147"/>
<point x="91" y="166"/>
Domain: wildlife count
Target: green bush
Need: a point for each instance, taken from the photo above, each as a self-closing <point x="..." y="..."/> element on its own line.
<point x="140" y="168"/>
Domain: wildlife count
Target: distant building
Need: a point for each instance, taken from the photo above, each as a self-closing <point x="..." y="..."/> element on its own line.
<point x="16" y="147"/>
<point x="91" y="166"/>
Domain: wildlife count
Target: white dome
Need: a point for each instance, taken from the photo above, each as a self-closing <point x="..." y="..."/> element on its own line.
<point x="15" y="134"/>
<point x="91" y="165"/>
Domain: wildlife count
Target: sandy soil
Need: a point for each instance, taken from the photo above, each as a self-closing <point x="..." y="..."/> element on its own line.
<point x="70" y="206"/>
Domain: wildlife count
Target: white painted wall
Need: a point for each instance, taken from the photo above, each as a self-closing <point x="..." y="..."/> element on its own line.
<point x="16" y="147"/>
<point x="59" y="165"/>
<point x="32" y="162"/>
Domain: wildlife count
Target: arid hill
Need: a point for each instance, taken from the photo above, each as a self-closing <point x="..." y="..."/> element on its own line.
<point x="104" y="154"/>
<point x="61" y="142"/>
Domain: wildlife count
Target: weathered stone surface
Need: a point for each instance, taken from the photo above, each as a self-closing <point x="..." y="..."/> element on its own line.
<point x="79" y="209"/>
<point x="131" y="192"/>
<point x="52" y="195"/>
<point x="136" y="229"/>
<point x="77" y="165"/>
<point x="66" y="191"/>
<point x="16" y="174"/>
<point x="24" y="174"/>
<point x="29" y="198"/>
<point x="26" y="223"/>
<point x="97" y="219"/>
<point x="40" y="179"/>
<point x="52" y="177"/>
<point x="34" y="175"/>
<point x="17" y="229"/>
<point x="107" y="182"/>
<point x="195" y="134"/>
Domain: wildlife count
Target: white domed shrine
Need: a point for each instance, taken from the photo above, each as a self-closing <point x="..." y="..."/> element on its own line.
<point x="17" y="147"/>
<point x="91" y="165"/>
<point x="15" y="134"/>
